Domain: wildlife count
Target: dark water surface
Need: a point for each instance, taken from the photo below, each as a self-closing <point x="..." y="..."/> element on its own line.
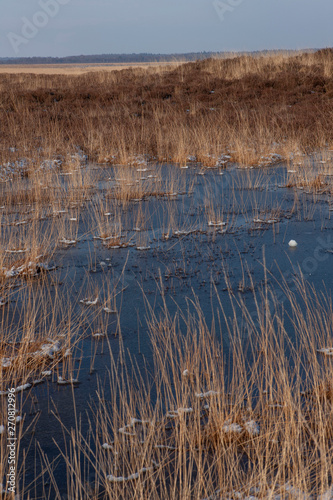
<point x="192" y="262"/>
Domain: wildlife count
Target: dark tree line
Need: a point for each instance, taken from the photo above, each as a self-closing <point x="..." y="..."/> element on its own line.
<point x="107" y="58"/>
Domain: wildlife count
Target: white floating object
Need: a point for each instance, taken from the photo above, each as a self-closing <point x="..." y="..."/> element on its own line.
<point x="125" y="432"/>
<point x="229" y="427"/>
<point x="2" y="429"/>
<point x="177" y="413"/>
<point x="64" y="241"/>
<point x="121" y="479"/>
<point x="107" y="446"/>
<point x="252" y="427"/>
<point x="21" y="388"/>
<point x="49" y="349"/>
<point x="16" y="251"/>
<point x="131" y="425"/>
<point x="328" y="351"/>
<point x="186" y="373"/>
<point x="134" y="421"/>
<point x="47" y="373"/>
<point x="62" y="381"/>
<point x="109" y="311"/>
<point x="6" y="362"/>
<point x="56" y="212"/>
<point x="218" y="223"/>
<point x="107" y="238"/>
<point x="143" y="248"/>
<point x="208" y="394"/>
<point x="87" y="302"/>
<point x="292" y="243"/>
<point x="182" y="232"/>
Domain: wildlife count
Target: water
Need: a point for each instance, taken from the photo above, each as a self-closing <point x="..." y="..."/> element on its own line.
<point x="191" y="253"/>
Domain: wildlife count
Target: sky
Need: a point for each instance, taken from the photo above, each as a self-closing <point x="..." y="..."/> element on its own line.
<point x="73" y="27"/>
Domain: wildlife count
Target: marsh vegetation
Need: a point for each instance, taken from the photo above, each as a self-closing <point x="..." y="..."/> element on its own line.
<point x="163" y="338"/>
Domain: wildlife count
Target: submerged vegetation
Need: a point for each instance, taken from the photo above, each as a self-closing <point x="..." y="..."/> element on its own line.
<point x="150" y="357"/>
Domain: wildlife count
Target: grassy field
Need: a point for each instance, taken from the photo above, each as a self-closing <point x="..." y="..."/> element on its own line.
<point x="249" y="107"/>
<point x="75" y="69"/>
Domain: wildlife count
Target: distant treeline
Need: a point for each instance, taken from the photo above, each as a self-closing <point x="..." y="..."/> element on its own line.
<point x="107" y="58"/>
<point x="115" y="58"/>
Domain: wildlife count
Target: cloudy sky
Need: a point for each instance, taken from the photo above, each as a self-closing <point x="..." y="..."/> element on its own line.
<point x="73" y="27"/>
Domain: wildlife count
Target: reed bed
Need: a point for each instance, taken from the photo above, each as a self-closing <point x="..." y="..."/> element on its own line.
<point x="238" y="409"/>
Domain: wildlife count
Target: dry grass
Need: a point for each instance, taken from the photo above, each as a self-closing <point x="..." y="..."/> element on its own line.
<point x="253" y="110"/>
<point x="255" y="423"/>
<point x="313" y="173"/>
<point x="186" y="446"/>
<point x="39" y="335"/>
<point x="77" y="69"/>
<point x="252" y="107"/>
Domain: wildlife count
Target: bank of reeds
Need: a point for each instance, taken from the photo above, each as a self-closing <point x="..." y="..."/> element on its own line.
<point x="246" y="417"/>
<point x="253" y="108"/>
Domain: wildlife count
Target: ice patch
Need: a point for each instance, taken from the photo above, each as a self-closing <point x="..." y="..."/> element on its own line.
<point x="252" y="427"/>
<point x="202" y="395"/>
<point x="132" y="477"/>
<point x="109" y="311"/>
<point x="177" y="413"/>
<point x="64" y="241"/>
<point x="88" y="302"/>
<point x="328" y="351"/>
